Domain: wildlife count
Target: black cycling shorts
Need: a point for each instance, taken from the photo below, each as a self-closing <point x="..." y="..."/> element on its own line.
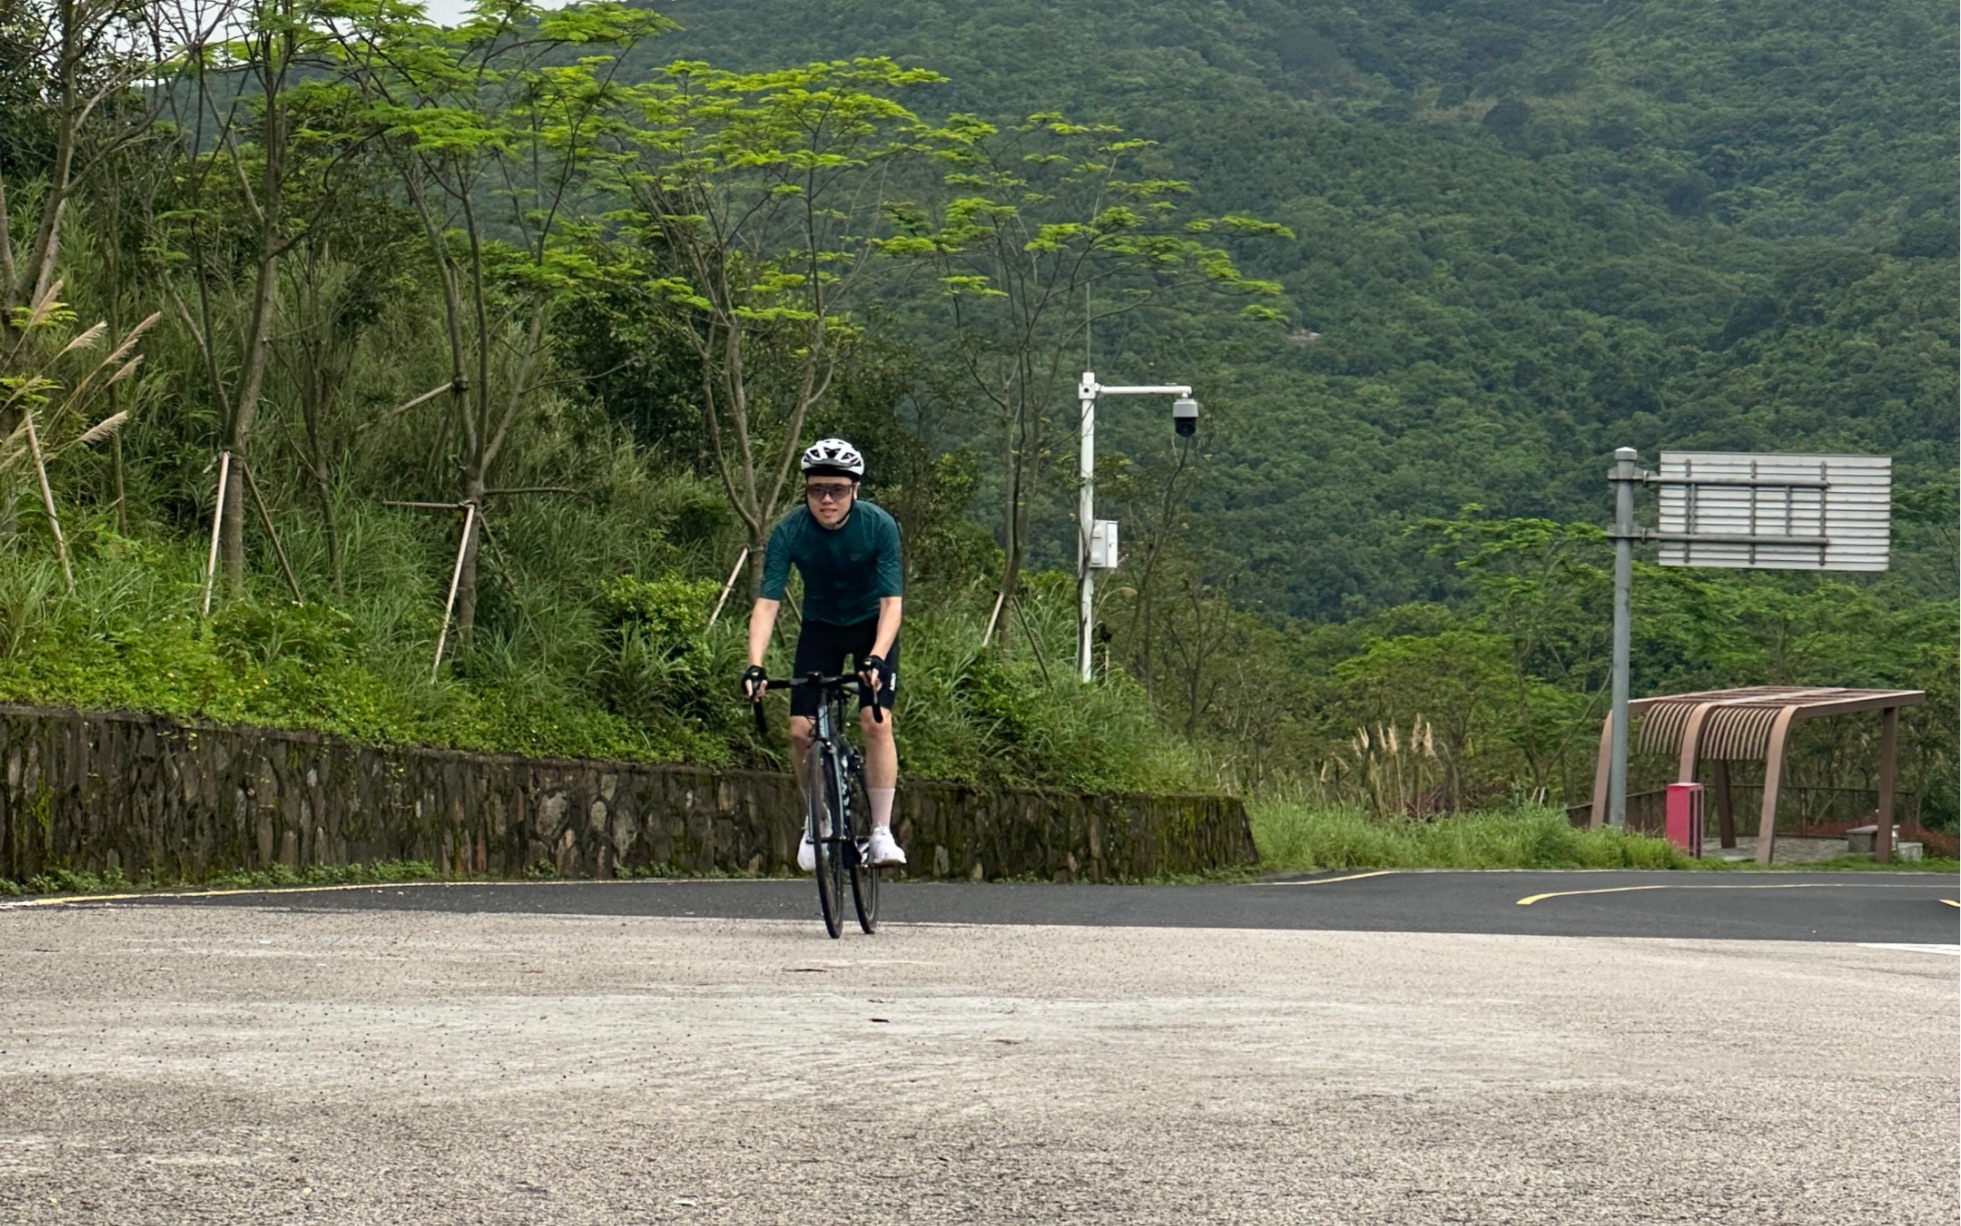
<point x="822" y="647"/>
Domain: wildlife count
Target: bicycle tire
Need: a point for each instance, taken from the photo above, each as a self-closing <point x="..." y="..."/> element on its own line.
<point x="864" y="875"/>
<point x="830" y="866"/>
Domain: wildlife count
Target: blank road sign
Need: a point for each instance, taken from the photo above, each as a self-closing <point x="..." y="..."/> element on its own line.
<point x="1775" y="512"/>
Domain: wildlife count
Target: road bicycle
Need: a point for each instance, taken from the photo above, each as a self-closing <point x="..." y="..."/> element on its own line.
<point x="836" y="808"/>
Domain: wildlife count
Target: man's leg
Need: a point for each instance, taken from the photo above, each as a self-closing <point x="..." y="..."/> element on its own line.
<point x="881" y="766"/>
<point x="801" y="730"/>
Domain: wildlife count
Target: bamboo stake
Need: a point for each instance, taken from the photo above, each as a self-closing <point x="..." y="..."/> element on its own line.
<point x="47" y="498"/>
<point x="993" y="617"/>
<point x="729" y="586"/>
<point x="1033" y="642"/>
<point x="455" y="581"/>
<point x="217" y="518"/>
<point x="398" y="410"/>
<point x="265" y="517"/>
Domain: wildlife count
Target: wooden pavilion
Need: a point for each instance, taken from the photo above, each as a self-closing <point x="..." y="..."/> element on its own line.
<point x="1754" y="724"/>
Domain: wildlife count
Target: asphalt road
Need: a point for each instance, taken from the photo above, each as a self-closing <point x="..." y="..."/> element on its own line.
<point x="1409" y="1048"/>
<point x="1855" y="907"/>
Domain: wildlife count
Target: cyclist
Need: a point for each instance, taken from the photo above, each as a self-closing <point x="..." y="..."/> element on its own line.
<point x="847" y="551"/>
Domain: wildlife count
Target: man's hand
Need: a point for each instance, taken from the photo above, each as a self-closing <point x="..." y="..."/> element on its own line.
<point x="755" y="680"/>
<point x="872" y="672"/>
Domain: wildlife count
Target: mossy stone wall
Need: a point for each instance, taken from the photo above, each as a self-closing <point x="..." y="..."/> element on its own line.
<point x="158" y="800"/>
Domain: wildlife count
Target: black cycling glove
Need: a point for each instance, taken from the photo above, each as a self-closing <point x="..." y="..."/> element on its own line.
<point x="873" y="669"/>
<point x="753" y="678"/>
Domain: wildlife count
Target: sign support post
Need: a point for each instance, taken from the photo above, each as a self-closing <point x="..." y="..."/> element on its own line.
<point x="1623" y="477"/>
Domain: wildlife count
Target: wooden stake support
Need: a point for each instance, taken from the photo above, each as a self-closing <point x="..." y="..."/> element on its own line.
<point x="1033" y="642"/>
<point x="217" y="519"/>
<point x="994" y="617"/>
<point x="455" y="581"/>
<point x="265" y="517"/>
<point x="729" y="586"/>
<point x="398" y="410"/>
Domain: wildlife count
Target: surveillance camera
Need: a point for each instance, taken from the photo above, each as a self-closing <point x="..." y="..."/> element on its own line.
<point x="1184" y="416"/>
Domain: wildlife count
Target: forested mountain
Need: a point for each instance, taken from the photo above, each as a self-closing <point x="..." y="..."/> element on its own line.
<point x="500" y="336"/>
<point x="1528" y="233"/>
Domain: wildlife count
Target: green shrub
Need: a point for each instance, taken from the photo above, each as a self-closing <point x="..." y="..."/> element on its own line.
<point x="559" y="666"/>
<point x="1297" y="836"/>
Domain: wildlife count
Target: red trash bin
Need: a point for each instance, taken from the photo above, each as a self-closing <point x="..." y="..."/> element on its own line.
<point x="1685" y="817"/>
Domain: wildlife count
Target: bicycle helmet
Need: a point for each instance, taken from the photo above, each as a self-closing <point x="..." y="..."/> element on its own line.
<point x="833" y="457"/>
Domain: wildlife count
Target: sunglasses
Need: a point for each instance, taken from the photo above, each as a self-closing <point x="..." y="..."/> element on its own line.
<point x="828" y="492"/>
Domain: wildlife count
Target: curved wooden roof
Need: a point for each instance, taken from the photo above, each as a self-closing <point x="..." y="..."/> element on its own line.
<point x="1737" y="722"/>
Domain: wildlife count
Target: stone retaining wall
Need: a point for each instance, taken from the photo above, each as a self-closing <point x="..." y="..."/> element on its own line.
<point x="94" y="791"/>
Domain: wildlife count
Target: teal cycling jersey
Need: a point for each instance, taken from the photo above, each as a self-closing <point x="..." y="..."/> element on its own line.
<point x="846" y="570"/>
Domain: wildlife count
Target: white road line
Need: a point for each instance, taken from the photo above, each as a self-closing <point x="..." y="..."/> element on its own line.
<point x="1950" y="950"/>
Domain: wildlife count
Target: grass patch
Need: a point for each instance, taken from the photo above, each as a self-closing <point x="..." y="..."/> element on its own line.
<point x="1297" y="837"/>
<point x="72" y="881"/>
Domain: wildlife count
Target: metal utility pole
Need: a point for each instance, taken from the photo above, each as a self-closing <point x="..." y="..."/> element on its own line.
<point x="1184" y="413"/>
<point x="1623" y="477"/>
<point x="1085" y="525"/>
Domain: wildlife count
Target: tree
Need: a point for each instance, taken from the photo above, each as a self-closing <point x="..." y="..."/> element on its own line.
<point x="489" y="113"/>
<point x="74" y="65"/>
<point x="1048" y="228"/>
<point x="1541" y="591"/>
<point x="260" y="154"/>
<point x="758" y="199"/>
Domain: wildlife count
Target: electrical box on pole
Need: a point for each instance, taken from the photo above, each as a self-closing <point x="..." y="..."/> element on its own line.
<point x="1103" y="546"/>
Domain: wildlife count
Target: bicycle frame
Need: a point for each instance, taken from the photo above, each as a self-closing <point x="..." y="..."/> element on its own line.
<point x="830" y="766"/>
<point x="830" y="749"/>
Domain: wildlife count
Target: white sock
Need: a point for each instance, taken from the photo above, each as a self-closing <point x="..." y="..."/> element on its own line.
<point x="882" y="807"/>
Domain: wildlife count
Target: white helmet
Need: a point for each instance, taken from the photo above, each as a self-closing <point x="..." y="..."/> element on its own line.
<point x="833" y="455"/>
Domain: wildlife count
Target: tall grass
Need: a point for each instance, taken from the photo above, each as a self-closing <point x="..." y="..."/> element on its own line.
<point x="1296" y="836"/>
<point x="983" y="715"/>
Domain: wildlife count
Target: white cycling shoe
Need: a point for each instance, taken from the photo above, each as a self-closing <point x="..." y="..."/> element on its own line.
<point x="884" y="850"/>
<point x="807" y="854"/>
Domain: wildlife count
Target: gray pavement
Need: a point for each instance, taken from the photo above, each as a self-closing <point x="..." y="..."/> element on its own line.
<point x="296" y="1060"/>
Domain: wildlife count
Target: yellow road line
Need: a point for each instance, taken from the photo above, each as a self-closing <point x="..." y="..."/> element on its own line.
<point x="1383" y="872"/>
<point x="1952" y="902"/>
<point x="1788" y="885"/>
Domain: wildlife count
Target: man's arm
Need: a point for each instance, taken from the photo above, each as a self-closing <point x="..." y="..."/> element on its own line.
<point x="762" y="620"/>
<point x="890" y="610"/>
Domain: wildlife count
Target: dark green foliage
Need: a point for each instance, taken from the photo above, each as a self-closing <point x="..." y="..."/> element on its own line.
<point x="1528" y="234"/>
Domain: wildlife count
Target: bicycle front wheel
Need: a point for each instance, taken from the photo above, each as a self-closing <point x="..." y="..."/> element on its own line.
<point x="864" y="877"/>
<point x="822" y="807"/>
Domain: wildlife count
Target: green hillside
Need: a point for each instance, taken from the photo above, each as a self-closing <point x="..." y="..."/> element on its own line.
<point x="589" y="272"/>
<point x="1529" y="234"/>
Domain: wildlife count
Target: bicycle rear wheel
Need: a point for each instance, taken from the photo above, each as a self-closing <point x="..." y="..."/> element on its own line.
<point x="822" y="806"/>
<point x="864" y="877"/>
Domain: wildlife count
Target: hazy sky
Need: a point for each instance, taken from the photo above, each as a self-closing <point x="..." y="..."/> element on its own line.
<point x="447" y="12"/>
